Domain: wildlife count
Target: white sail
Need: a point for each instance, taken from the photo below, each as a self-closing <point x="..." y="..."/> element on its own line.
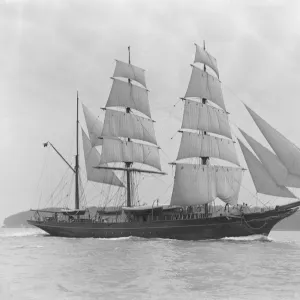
<point x="121" y="124"/>
<point x="263" y="182"/>
<point x="125" y="94"/>
<point x="202" y="56"/>
<point x="130" y="71"/>
<point x="228" y="184"/>
<point x="272" y="164"/>
<point x="94" y="126"/>
<point x="203" y="85"/>
<point x="123" y="151"/>
<point x="199" y="145"/>
<point x="287" y="152"/>
<point x="200" y="184"/>
<point x="199" y="116"/>
<point x="92" y="159"/>
<point x="193" y="185"/>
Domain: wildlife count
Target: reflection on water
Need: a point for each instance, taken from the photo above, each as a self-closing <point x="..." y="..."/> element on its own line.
<point x="37" y="266"/>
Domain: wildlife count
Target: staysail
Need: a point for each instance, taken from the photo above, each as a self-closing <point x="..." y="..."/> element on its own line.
<point x="272" y="164"/>
<point x="196" y="184"/>
<point x="263" y="182"/>
<point x="94" y="126"/>
<point x="286" y="151"/>
<point x="92" y="159"/>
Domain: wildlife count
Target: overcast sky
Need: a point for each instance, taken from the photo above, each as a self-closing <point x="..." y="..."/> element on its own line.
<point x="51" y="49"/>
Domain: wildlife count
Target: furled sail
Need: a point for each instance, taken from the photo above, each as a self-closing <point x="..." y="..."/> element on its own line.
<point x="92" y="159"/>
<point x="199" y="116"/>
<point x="263" y="182"/>
<point x="272" y="164"/>
<point x="287" y="152"/>
<point x="94" y="126"/>
<point x="201" y="184"/>
<point x="130" y="71"/>
<point x="125" y="151"/>
<point x="200" y="145"/>
<point x="203" y="85"/>
<point x="202" y="56"/>
<point x="122" y="124"/>
<point x="125" y="94"/>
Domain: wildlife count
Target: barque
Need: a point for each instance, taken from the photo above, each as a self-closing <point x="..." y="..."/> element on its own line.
<point x="126" y="143"/>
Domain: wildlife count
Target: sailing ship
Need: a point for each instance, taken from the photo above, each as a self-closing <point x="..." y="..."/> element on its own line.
<point x="126" y="143"/>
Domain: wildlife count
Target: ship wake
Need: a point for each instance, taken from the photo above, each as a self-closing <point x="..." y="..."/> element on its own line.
<point x="246" y="239"/>
<point x="21" y="232"/>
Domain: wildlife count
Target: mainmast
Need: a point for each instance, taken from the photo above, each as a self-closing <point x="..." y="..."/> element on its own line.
<point x="204" y="158"/>
<point x="76" y="160"/>
<point x="124" y="129"/>
<point x="128" y="164"/>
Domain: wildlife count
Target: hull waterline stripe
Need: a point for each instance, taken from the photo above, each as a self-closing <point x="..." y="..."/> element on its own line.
<point x="149" y="227"/>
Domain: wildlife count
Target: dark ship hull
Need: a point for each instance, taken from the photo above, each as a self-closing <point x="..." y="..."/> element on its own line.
<point x="182" y="229"/>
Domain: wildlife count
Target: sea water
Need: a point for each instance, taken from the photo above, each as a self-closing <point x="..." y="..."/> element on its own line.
<point x="34" y="265"/>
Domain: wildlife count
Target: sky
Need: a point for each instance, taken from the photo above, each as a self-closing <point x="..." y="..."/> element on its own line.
<point x="51" y="49"/>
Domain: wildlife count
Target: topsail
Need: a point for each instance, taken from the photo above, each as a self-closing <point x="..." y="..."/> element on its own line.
<point x="203" y="85"/>
<point x="202" y="56"/>
<point x="130" y="71"/>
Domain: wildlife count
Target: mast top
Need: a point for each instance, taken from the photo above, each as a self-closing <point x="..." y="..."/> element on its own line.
<point x="129" y="60"/>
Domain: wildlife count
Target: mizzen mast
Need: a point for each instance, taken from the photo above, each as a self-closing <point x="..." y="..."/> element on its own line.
<point x="76" y="158"/>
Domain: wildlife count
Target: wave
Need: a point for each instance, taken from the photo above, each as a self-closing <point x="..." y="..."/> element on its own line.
<point x="21" y="232"/>
<point x="124" y="238"/>
<point x="28" y="246"/>
<point x="251" y="238"/>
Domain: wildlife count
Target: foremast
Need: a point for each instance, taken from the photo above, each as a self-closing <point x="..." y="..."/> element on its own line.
<point x="204" y="159"/>
<point x="205" y="112"/>
<point x="125" y="122"/>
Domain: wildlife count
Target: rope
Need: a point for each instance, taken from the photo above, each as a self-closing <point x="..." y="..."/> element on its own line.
<point x="250" y="227"/>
